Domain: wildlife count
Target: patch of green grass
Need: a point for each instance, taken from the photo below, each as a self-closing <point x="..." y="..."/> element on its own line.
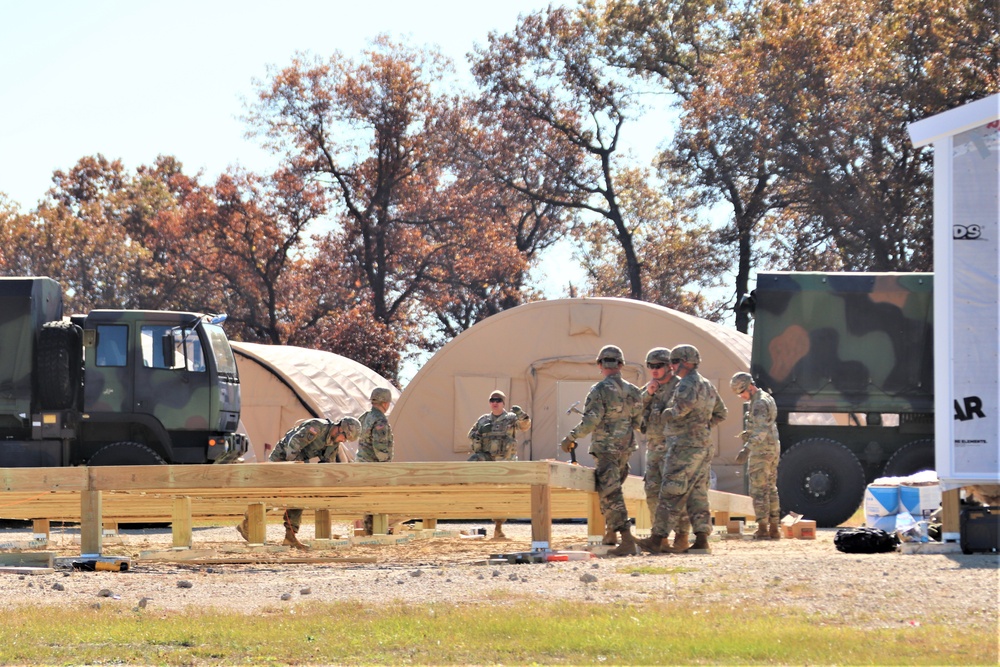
<point x="655" y="569"/>
<point x="516" y="632"/>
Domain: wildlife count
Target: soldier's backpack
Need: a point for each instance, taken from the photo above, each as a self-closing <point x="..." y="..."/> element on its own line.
<point x="864" y="541"/>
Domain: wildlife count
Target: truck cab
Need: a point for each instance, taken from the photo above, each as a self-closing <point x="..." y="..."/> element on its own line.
<point x="112" y="387"/>
<point x="166" y="380"/>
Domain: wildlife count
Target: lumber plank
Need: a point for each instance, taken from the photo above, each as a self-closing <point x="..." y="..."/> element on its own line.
<point x="27" y="558"/>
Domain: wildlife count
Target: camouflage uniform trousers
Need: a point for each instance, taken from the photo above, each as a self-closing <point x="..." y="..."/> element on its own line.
<point x="762" y="472"/>
<point x="685" y="487"/>
<point x="611" y="471"/>
<point x="483" y="456"/>
<point x="656" y="460"/>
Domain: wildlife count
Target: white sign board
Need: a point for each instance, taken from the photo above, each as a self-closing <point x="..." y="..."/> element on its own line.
<point x="966" y="293"/>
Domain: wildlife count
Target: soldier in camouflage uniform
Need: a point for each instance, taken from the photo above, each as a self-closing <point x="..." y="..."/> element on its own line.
<point x="693" y="410"/>
<point x="493" y="438"/>
<point x="375" y="442"/>
<point x="613" y="411"/>
<point x="308" y="439"/>
<point x="763" y="449"/>
<point x="655" y="397"/>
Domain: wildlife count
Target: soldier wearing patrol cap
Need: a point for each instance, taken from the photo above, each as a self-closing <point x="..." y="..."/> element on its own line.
<point x="612" y="412"/>
<point x="309" y="439"/>
<point x="655" y="397"/>
<point x="694" y="408"/>
<point x="375" y="442"/>
<point x="762" y="448"/>
<point x="493" y="438"/>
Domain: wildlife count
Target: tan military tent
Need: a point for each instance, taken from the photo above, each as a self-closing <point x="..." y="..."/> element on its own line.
<point x="281" y="384"/>
<point x="542" y="355"/>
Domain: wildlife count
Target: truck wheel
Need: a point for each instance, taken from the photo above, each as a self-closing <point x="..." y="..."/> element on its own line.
<point x="821" y="480"/>
<point x="910" y="458"/>
<point x="125" y="454"/>
<point x="60" y="350"/>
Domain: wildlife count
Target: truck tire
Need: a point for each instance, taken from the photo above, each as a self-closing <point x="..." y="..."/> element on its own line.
<point x="125" y="454"/>
<point x="910" y="458"/>
<point x="60" y="350"/>
<point x="822" y="480"/>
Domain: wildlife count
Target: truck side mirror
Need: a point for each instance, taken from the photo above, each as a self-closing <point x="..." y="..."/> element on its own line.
<point x="747" y="303"/>
<point x="167" y="347"/>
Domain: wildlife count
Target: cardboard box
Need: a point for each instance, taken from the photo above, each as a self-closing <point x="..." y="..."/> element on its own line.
<point x="735" y="527"/>
<point x="920" y="500"/>
<point x="794" y="527"/>
<point x="804" y="529"/>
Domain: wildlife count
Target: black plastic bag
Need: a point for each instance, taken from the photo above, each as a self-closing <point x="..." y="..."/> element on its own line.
<point x="864" y="541"/>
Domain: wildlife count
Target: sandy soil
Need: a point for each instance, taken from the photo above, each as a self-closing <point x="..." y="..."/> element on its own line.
<point x="808" y="575"/>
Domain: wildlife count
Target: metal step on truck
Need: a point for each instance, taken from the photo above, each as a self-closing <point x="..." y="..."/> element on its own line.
<point x="112" y="387"/>
<point x="848" y="358"/>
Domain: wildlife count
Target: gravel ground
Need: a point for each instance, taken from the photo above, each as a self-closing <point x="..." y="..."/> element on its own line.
<point x="881" y="590"/>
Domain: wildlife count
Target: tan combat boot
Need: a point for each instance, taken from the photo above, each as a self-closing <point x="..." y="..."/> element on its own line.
<point x="653" y="544"/>
<point x="700" y="542"/>
<point x="291" y="540"/>
<point x="627" y="547"/>
<point x="609" y="537"/>
<point x="498" y="531"/>
<point x="762" y="532"/>
<point x="775" y="530"/>
<point x="681" y="543"/>
<point x="242" y="529"/>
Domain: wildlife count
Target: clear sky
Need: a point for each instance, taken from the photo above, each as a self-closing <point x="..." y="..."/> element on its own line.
<point x="134" y="80"/>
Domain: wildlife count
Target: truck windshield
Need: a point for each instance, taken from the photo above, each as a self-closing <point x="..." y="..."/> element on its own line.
<point x="225" y="362"/>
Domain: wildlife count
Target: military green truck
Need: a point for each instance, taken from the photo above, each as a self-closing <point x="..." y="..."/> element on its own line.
<point x="848" y="358"/>
<point x="112" y="387"/>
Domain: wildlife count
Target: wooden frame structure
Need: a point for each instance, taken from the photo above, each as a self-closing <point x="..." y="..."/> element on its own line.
<point x="179" y="494"/>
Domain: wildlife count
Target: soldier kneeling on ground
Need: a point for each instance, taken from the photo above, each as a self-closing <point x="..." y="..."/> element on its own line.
<point x="312" y="438"/>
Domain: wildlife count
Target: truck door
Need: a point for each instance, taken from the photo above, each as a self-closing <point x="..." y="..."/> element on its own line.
<point x="175" y="391"/>
<point x="107" y="382"/>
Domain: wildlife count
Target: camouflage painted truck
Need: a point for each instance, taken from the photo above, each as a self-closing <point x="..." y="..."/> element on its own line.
<point x="848" y="358"/>
<point x="112" y="387"/>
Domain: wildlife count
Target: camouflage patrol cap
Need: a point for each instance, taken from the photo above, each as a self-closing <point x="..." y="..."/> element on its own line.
<point x="381" y="395"/>
<point x="610" y="355"/>
<point x="688" y="353"/>
<point x="496" y="393"/>
<point x="740" y="382"/>
<point x="350" y="427"/>
<point x="658" y="355"/>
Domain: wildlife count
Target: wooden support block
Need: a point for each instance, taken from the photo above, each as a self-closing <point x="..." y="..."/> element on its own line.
<point x="595" y="520"/>
<point x="40" y="528"/>
<point x="643" y="522"/>
<point x="430" y="524"/>
<point x="541" y="516"/>
<point x="323" y="524"/>
<point x="181" y="524"/>
<point x="951" y="526"/>
<point x="91" y="536"/>
<point x="256" y="524"/>
<point x="109" y="528"/>
<point x="380" y="524"/>
<point x="721" y="518"/>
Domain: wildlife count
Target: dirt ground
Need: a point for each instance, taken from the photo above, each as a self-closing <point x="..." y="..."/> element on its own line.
<point x="884" y="590"/>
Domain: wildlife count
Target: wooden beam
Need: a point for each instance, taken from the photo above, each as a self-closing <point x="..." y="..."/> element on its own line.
<point x="951" y="520"/>
<point x="256" y="523"/>
<point x="181" y="523"/>
<point x="323" y="524"/>
<point x="541" y="516"/>
<point x="91" y="529"/>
